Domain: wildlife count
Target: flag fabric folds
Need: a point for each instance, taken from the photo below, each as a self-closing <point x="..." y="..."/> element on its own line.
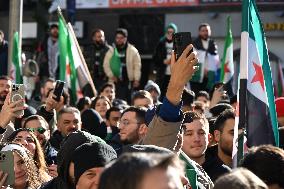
<point x="257" y="112"/>
<point x="16" y="69"/>
<point x="72" y="67"/>
<point x="115" y="64"/>
<point x="227" y="65"/>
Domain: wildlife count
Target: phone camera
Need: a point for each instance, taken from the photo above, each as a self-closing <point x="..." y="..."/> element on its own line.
<point x="2" y="157"/>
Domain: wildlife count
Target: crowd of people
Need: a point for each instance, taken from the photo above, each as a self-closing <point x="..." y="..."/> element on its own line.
<point x="162" y="135"/>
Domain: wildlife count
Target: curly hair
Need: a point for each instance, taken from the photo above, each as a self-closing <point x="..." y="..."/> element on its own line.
<point x="35" y="179"/>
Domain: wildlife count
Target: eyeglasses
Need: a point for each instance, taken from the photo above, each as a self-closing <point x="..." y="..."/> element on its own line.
<point x="127" y="122"/>
<point x="40" y="130"/>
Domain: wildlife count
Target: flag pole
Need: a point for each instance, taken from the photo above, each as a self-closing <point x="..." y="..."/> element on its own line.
<point x="83" y="59"/>
<point x="243" y="79"/>
<point x="79" y="50"/>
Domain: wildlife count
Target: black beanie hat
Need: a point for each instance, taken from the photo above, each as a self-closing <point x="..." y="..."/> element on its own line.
<point x="91" y="155"/>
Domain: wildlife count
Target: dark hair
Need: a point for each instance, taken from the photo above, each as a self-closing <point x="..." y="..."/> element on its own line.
<point x="121" y="31"/>
<point x="190" y="116"/>
<point x="82" y="102"/>
<point x="140" y="95"/>
<point x="203" y="25"/>
<point x="53" y="26"/>
<point x="36" y="117"/>
<point x="188" y="97"/>
<point x="140" y="113"/>
<point x="112" y="109"/>
<point x="233" y="99"/>
<point x="202" y="93"/>
<point x="111" y="85"/>
<point x="222" y="118"/>
<point x="96" y="31"/>
<point x="95" y="100"/>
<point x="129" y="170"/>
<point x="5" y="77"/>
<point x="267" y="162"/>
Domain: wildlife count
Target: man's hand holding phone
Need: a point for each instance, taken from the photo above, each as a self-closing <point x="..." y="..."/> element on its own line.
<point x="51" y="103"/>
<point x="9" y="110"/>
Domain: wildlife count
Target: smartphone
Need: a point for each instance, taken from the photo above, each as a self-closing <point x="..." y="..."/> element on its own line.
<point x="181" y="41"/>
<point x="18" y="93"/>
<point x="7" y="166"/>
<point x="58" y="90"/>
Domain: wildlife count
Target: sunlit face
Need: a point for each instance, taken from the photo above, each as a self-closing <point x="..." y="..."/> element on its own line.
<point x="99" y="38"/>
<point x="143" y="102"/>
<point x="205" y="32"/>
<point x="109" y="93"/>
<point x="114" y="118"/>
<point x="120" y="40"/>
<point x="20" y="169"/>
<point x="129" y="128"/>
<point x="69" y="122"/>
<point x="49" y="85"/>
<point x="90" y="178"/>
<point x="26" y="140"/>
<point x="38" y="127"/>
<point x="5" y="88"/>
<point x="225" y="137"/>
<point x="102" y="106"/>
<point x="195" y="138"/>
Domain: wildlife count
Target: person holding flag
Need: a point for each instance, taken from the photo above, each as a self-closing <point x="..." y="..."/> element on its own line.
<point x="257" y="113"/>
<point x="227" y="66"/>
<point x="122" y="65"/>
<point x="208" y="57"/>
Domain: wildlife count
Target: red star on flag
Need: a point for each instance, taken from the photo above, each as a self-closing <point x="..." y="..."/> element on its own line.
<point x="258" y="77"/>
<point x="226" y="67"/>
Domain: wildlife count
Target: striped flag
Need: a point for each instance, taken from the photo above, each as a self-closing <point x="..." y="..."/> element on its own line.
<point x="16" y="68"/>
<point x="73" y="69"/>
<point x="257" y="112"/>
<point x="227" y="66"/>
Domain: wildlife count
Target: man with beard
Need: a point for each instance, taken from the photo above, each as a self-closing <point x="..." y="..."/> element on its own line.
<point x="68" y="121"/>
<point x="7" y="109"/>
<point x="40" y="127"/>
<point x="3" y="54"/>
<point x="162" y="58"/>
<point x="208" y="57"/>
<point x="122" y="65"/>
<point x="132" y="128"/>
<point x="5" y="88"/>
<point x="195" y="142"/>
<point x="46" y="87"/>
<point x="48" y="55"/>
<point x="95" y="55"/>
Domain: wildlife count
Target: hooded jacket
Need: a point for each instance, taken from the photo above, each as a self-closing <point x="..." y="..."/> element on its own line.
<point x="70" y="143"/>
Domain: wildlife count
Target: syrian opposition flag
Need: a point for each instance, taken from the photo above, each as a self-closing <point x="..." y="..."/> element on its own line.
<point x="16" y="68"/>
<point x="73" y="69"/>
<point x="261" y="120"/>
<point x="227" y="66"/>
<point x="208" y="64"/>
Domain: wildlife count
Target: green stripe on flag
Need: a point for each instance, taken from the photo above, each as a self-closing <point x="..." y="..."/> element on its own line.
<point x="228" y="43"/>
<point x="63" y="35"/>
<point x="256" y="33"/>
<point x="16" y="59"/>
<point x="73" y="71"/>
